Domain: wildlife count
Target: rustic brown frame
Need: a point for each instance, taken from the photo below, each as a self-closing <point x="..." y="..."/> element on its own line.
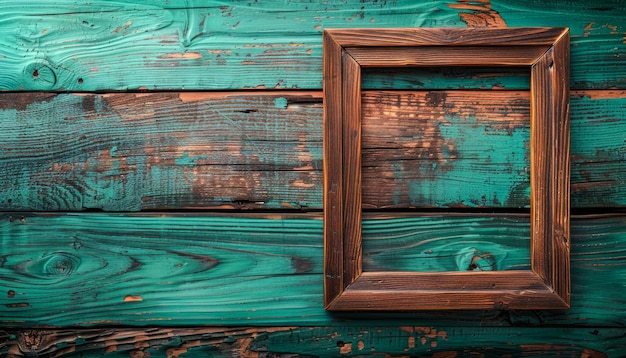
<point x="546" y="52"/>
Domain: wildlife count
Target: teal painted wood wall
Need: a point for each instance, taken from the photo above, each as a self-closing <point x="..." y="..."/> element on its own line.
<point x="161" y="180"/>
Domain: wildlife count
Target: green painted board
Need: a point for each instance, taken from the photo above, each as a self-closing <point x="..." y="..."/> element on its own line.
<point x="173" y="150"/>
<point x="345" y="340"/>
<point x="126" y="152"/>
<point x="189" y="269"/>
<point x="472" y="242"/>
<point x="91" y="45"/>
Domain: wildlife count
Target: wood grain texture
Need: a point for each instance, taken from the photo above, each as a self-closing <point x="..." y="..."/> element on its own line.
<point x="350" y="121"/>
<point x="549" y="174"/>
<point x="126" y="152"/>
<point x="333" y="171"/>
<point x="424" y="148"/>
<point x="183" y="269"/>
<point x="444" y="37"/>
<point x="417" y="242"/>
<point x="341" y="340"/>
<point x="445" y="78"/>
<point x="433" y="56"/>
<point x="546" y="51"/>
<point x="140" y="151"/>
<point x="100" y="45"/>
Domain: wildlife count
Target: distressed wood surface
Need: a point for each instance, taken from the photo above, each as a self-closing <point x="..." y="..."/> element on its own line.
<point x="436" y="56"/>
<point x="419" y="149"/>
<point x="399" y="242"/>
<point x="192" y="44"/>
<point x="393" y="37"/>
<point x="550" y="168"/>
<point x="126" y="152"/>
<point x="143" y="151"/>
<point x="416" y="78"/>
<point x="344" y="340"/>
<point x="547" y="286"/>
<point x="160" y="264"/>
<point x="333" y="169"/>
<point x="184" y="269"/>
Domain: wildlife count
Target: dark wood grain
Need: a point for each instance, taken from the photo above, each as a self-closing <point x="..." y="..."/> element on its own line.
<point x="333" y="170"/>
<point x="549" y="179"/>
<point x="429" y="56"/>
<point x="560" y="195"/>
<point x="340" y="340"/>
<point x="351" y="167"/>
<point x="549" y="148"/>
<point x="409" y="37"/>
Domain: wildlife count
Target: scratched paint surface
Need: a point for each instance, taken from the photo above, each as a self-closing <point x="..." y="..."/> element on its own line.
<point x="188" y="273"/>
<point x="185" y="269"/>
<point x="348" y="339"/>
<point x="192" y="44"/>
<point x="429" y="149"/>
<point x="422" y="245"/>
<point x="129" y="152"/>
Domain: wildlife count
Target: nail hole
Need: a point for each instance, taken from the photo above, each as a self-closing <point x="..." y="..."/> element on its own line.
<point x="35" y="73"/>
<point x="80" y="81"/>
<point x="9" y="201"/>
<point x="22" y="219"/>
<point x="11" y="219"/>
<point x="11" y="293"/>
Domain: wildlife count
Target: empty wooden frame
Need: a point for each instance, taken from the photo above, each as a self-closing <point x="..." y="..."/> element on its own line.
<point x="546" y="52"/>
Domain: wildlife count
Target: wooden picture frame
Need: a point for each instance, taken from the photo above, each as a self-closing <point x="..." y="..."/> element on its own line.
<point x="546" y="52"/>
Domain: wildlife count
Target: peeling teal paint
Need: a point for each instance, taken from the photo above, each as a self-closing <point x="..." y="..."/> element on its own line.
<point x="280" y="102"/>
<point x="216" y="46"/>
<point x="186" y="160"/>
<point x="447" y="185"/>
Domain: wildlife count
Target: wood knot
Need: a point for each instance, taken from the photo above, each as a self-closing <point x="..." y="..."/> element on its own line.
<point x="39" y="75"/>
<point x="483" y="262"/>
<point x="57" y="265"/>
<point x="473" y="259"/>
<point x="60" y="264"/>
<point x="33" y="341"/>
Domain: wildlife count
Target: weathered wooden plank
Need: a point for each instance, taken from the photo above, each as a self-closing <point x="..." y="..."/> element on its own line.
<point x="403" y="243"/>
<point x="167" y="269"/>
<point x="415" y="78"/>
<point x="126" y="152"/>
<point x="142" y="151"/>
<point x="342" y="340"/>
<point x="426" y="149"/>
<point x="155" y="265"/>
<point x="191" y="44"/>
